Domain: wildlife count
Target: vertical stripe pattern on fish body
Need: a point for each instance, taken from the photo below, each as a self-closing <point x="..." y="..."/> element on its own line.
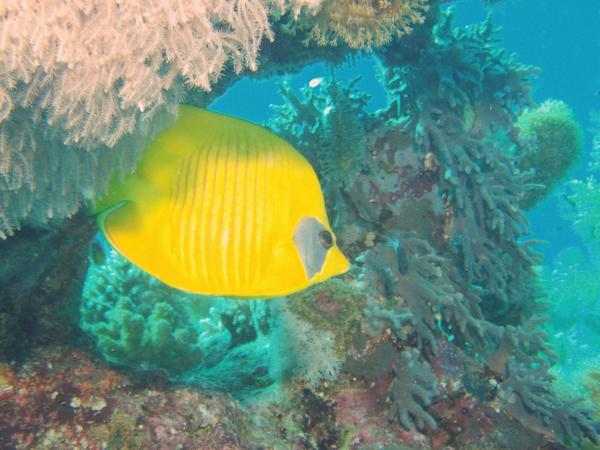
<point x="213" y="207"/>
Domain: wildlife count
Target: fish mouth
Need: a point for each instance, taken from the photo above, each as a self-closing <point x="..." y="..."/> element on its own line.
<point x="335" y="264"/>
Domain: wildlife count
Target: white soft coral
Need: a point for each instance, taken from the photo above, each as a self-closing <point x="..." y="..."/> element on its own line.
<point x="78" y="76"/>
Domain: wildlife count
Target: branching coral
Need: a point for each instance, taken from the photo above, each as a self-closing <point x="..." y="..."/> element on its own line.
<point x="327" y="124"/>
<point x="438" y="164"/>
<point x="423" y="288"/>
<point x="412" y="390"/>
<point x="463" y="125"/>
<point x="527" y="395"/>
<point x="426" y="300"/>
<point x="365" y="24"/>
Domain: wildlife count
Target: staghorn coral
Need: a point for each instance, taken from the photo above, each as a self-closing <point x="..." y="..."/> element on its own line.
<point x="463" y="130"/>
<point x="525" y="344"/>
<point x="463" y="125"/>
<point x="438" y="163"/>
<point x="327" y="124"/>
<point x="421" y="304"/>
<point x="527" y="395"/>
<point x="378" y="318"/>
<point x="362" y="24"/>
<point x="412" y="390"/>
<point x="425" y="299"/>
<point x="550" y="143"/>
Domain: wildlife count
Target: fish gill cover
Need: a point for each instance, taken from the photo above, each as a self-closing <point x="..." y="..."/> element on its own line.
<point x="433" y="339"/>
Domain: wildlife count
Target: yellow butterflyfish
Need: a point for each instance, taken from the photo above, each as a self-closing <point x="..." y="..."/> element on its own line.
<point x="220" y="206"/>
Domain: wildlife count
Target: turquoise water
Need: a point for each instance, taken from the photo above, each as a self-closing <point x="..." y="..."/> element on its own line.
<point x="459" y="167"/>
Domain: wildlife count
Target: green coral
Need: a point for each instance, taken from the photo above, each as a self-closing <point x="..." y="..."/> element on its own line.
<point x="550" y="143"/>
<point x="140" y="322"/>
<point x="136" y="320"/>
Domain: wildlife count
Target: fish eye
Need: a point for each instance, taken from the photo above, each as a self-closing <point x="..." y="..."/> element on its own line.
<point x="326" y="239"/>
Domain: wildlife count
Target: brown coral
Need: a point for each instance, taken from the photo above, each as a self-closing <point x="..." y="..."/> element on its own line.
<point x="364" y="24"/>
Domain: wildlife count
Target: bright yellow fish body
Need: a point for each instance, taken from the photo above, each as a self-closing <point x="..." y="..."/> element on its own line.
<point x="219" y="206"/>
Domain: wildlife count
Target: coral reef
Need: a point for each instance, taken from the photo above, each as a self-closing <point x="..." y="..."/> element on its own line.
<point x="433" y="214"/>
<point x="327" y="126"/>
<point x="550" y="143"/>
<point x="461" y="128"/>
<point x="62" y="399"/>
<point x="137" y="321"/>
<point x="221" y="343"/>
<point x="434" y="339"/>
<point x="572" y="289"/>
<point x="413" y="380"/>
<point x="538" y="405"/>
